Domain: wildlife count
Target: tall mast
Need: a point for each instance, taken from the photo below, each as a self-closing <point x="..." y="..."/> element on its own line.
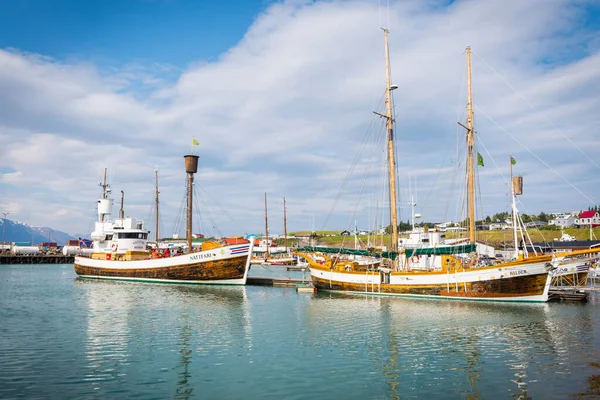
<point x="285" y="226"/>
<point x="470" y="158"/>
<point x="391" y="155"/>
<point x="156" y="228"/>
<point x="266" y="228"/>
<point x="191" y="167"/>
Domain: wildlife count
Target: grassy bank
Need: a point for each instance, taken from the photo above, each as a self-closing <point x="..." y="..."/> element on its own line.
<point x="494" y="238"/>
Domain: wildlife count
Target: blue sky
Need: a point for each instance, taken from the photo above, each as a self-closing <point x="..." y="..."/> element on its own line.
<point x="280" y="95"/>
<point x="173" y="32"/>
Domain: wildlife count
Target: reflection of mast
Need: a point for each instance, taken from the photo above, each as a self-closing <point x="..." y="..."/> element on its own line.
<point x="183" y="387"/>
<point x="191" y="167"/>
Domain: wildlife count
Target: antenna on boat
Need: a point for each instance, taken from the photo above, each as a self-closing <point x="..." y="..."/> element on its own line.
<point x="121" y="211"/>
<point x="104" y="204"/>
<point x="191" y="167"/>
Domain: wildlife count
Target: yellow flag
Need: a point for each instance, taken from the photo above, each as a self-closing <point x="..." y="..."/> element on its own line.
<point x="195" y="142"/>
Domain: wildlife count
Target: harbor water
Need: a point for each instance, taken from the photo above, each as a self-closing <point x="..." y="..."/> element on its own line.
<point x="62" y="337"/>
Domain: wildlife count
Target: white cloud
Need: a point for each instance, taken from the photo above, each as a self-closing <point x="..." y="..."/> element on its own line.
<point x="286" y="110"/>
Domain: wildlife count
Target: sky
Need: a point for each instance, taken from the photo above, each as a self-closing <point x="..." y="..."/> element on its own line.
<point x="280" y="95"/>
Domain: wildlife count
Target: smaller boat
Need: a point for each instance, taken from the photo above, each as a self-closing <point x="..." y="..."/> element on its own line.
<point x="265" y="253"/>
<point x="120" y="250"/>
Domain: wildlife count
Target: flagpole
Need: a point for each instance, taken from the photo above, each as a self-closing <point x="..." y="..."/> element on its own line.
<point x="514" y="210"/>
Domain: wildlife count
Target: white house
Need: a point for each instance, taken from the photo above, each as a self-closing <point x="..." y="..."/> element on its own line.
<point x="535" y="224"/>
<point x="500" y="225"/>
<point x="563" y="221"/>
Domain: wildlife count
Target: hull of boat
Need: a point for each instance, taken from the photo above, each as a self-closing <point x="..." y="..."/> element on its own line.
<point x="223" y="265"/>
<point x="527" y="283"/>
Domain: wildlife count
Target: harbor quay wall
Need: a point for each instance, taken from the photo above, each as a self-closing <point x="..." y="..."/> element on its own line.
<point x="36" y="259"/>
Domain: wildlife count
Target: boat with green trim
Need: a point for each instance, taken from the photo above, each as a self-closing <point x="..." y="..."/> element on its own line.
<point x="457" y="273"/>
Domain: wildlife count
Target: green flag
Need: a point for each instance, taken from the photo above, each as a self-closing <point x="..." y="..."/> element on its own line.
<point x="479" y="159"/>
<point x="195" y="142"/>
<point x="512" y="160"/>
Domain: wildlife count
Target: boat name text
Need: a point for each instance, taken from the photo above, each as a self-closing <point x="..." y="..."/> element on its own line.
<point x="518" y="272"/>
<point x="201" y="256"/>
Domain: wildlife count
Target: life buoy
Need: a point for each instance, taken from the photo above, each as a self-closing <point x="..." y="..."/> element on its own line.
<point x="414" y="259"/>
<point x="114" y="246"/>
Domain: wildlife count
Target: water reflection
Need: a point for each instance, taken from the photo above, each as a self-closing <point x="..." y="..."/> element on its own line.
<point x="177" y="326"/>
<point x="184" y="389"/>
<point x="463" y="349"/>
<point x="453" y="338"/>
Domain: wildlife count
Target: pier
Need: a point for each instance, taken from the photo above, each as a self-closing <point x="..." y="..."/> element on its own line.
<point x="269" y="281"/>
<point x="571" y="293"/>
<point x="38" y="259"/>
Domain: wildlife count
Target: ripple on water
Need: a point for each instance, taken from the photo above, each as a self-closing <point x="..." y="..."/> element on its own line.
<point x="63" y="337"/>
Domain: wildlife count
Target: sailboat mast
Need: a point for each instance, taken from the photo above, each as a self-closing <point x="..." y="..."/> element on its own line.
<point x="470" y="158"/>
<point x="156" y="228"/>
<point x="391" y="155"/>
<point x="266" y="228"/>
<point x="191" y="167"/>
<point x="285" y="226"/>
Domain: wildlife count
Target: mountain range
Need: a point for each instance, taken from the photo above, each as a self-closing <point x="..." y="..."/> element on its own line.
<point x="14" y="231"/>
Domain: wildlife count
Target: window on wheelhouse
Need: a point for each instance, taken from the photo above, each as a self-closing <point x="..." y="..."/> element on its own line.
<point x="132" y="235"/>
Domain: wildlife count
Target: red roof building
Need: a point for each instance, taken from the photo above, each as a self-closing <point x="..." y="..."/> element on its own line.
<point x="230" y="241"/>
<point x="588" y="218"/>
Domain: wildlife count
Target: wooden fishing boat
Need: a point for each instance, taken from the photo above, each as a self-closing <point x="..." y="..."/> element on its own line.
<point x="458" y="272"/>
<point x="121" y="250"/>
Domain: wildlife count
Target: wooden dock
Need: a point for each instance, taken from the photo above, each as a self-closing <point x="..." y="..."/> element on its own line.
<point x="39" y="259"/>
<point x="568" y="294"/>
<point x="268" y="281"/>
